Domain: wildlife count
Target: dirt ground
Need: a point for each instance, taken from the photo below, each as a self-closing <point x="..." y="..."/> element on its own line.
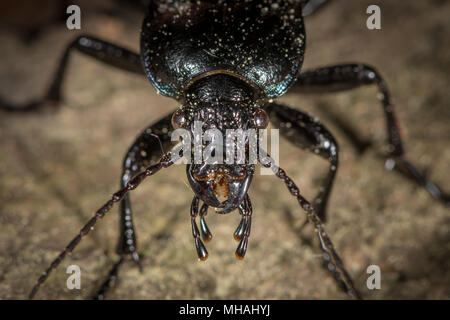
<point x="57" y="168"/>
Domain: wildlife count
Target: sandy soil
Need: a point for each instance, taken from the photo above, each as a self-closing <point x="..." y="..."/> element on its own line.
<point x="57" y="168"/>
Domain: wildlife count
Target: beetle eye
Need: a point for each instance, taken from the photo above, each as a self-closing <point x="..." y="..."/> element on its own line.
<point x="178" y="119"/>
<point x="261" y="119"/>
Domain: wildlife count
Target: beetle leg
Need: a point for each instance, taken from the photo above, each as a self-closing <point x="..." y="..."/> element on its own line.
<point x="330" y="255"/>
<point x="164" y="162"/>
<point x="312" y="6"/>
<point x="348" y="76"/>
<point x="100" y="50"/>
<point x="307" y="133"/>
<point x="144" y="151"/>
<point x="112" y="276"/>
<point x="199" y="246"/>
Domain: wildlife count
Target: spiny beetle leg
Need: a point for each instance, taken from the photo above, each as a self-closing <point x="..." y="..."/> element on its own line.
<point x="98" y="49"/>
<point x="306" y="132"/>
<point x="348" y="76"/>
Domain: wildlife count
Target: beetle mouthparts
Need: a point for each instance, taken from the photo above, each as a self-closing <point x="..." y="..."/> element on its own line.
<point x="221" y="187"/>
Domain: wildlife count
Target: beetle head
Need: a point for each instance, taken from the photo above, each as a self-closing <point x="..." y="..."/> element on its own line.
<point x="223" y="119"/>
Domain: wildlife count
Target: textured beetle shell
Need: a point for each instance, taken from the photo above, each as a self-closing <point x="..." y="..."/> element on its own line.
<point x="184" y="39"/>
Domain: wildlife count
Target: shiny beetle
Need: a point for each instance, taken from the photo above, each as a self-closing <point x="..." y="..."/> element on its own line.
<point x="225" y="62"/>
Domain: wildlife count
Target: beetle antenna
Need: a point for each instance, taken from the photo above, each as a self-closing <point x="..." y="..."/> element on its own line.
<point x="164" y="162"/>
<point x="159" y="140"/>
<point x="330" y="255"/>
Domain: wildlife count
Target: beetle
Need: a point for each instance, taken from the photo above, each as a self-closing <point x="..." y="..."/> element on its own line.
<point x="225" y="63"/>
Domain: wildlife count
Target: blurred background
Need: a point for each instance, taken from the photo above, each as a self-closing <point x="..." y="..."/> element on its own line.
<point x="58" y="167"/>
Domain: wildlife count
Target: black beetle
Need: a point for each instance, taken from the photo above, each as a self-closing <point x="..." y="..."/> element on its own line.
<point x="225" y="62"/>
